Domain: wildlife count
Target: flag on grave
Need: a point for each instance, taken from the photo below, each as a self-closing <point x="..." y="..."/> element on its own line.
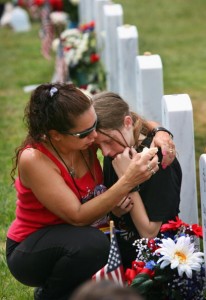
<point x="61" y="66"/>
<point x="47" y="30"/>
<point x="113" y="270"/>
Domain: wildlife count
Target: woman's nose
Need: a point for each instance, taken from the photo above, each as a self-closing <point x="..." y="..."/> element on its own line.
<point x="93" y="134"/>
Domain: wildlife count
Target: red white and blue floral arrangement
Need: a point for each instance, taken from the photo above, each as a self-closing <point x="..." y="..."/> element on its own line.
<point x="170" y="266"/>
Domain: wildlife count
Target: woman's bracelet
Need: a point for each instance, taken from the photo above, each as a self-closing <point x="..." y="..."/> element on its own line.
<point x="156" y="129"/>
<point x="135" y="189"/>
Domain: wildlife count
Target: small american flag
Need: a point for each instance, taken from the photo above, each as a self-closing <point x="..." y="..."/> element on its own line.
<point x="47" y="33"/>
<point x="60" y="65"/>
<point x="113" y="270"/>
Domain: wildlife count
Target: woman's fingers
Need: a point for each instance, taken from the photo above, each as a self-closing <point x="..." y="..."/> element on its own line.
<point x="147" y="164"/>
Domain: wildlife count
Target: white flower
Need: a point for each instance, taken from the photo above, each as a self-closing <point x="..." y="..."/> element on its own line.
<point x="59" y="17"/>
<point x="74" y="2"/>
<point x="71" y="32"/>
<point x="180" y="255"/>
<point x="55" y="45"/>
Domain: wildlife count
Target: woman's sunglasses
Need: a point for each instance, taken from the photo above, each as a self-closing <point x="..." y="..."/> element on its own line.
<point x="85" y="133"/>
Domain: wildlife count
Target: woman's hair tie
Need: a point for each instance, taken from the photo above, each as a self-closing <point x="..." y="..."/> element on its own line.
<point x="53" y="91"/>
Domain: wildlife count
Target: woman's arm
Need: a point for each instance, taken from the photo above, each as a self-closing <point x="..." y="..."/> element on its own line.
<point x="43" y="177"/>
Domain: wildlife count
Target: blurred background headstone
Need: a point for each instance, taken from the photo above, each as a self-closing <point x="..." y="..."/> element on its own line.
<point x="20" y="20"/>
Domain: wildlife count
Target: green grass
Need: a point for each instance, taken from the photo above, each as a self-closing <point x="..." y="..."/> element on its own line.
<point x="173" y="29"/>
<point x="21" y="64"/>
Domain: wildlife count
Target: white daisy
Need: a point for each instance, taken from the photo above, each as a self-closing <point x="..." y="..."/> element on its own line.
<point x="180" y="255"/>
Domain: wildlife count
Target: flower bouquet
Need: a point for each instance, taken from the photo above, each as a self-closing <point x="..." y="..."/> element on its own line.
<point x="82" y="59"/>
<point x="170" y="266"/>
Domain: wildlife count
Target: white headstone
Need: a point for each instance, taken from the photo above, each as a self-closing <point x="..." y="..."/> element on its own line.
<point x="177" y="116"/>
<point x="20" y="20"/>
<point x="127" y="45"/>
<point x="113" y="17"/>
<point x="99" y="26"/>
<point x="86" y="11"/>
<point x="149" y="86"/>
<point x="202" y="173"/>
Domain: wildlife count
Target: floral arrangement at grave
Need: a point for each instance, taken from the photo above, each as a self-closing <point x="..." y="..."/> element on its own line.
<point x="59" y="20"/>
<point x="170" y="266"/>
<point x="84" y="65"/>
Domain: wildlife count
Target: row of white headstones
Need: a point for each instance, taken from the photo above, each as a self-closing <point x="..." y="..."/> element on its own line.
<point x="139" y="80"/>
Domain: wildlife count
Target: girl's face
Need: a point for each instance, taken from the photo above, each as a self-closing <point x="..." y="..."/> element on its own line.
<point x="113" y="142"/>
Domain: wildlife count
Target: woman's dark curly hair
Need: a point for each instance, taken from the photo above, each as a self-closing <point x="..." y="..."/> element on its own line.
<point x="51" y="106"/>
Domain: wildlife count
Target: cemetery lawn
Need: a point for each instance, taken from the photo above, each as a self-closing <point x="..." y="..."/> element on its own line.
<point x="173" y="29"/>
<point x="21" y="65"/>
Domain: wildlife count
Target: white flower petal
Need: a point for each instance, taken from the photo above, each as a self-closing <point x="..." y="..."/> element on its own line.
<point x="164" y="264"/>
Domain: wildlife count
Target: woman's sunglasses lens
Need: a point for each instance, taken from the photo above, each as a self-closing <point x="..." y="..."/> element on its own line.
<point x="85" y="134"/>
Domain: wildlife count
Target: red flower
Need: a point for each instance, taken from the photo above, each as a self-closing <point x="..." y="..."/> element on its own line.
<point x="137" y="268"/>
<point x="197" y="230"/>
<point x="94" y="57"/>
<point x="92" y="24"/>
<point x="87" y="26"/>
<point x="67" y="48"/>
<point x="173" y="225"/>
<point x="152" y="245"/>
<point x="56" y="5"/>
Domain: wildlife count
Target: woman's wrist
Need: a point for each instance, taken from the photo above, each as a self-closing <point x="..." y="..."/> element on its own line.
<point x="159" y="128"/>
<point x="125" y="184"/>
<point x="135" y="189"/>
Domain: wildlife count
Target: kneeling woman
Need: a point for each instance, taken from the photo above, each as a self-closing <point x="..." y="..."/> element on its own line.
<point x="51" y="244"/>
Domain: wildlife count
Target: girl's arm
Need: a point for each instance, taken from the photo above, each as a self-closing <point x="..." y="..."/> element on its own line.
<point x="144" y="226"/>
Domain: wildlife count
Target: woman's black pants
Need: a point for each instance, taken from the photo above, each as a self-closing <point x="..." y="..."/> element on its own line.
<point x="58" y="258"/>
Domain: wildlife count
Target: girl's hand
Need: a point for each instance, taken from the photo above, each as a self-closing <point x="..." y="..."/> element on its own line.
<point x="123" y="207"/>
<point x="122" y="160"/>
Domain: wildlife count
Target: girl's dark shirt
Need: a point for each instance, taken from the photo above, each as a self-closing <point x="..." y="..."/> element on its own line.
<point x="160" y="195"/>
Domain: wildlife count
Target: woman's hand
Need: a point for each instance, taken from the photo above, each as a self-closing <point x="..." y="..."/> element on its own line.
<point x="123" y="207"/>
<point x="138" y="167"/>
<point x="163" y="140"/>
